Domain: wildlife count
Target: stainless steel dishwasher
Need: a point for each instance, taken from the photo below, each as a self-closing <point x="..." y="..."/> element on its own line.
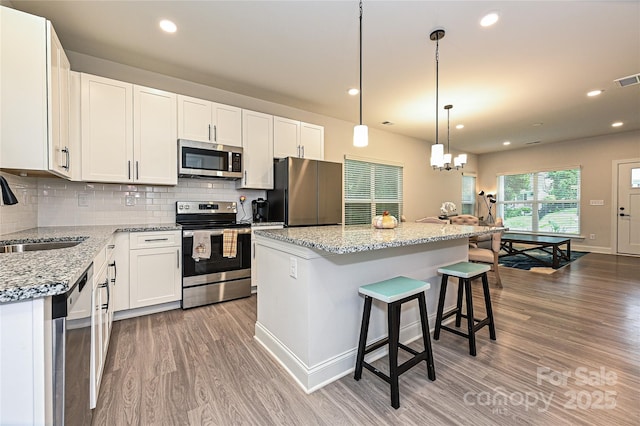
<point x="71" y="358"/>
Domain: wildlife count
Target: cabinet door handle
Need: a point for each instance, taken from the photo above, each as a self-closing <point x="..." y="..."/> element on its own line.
<point x="115" y="272"/>
<point x="209" y="132"/>
<point x="105" y="284"/>
<point x="298" y="148"/>
<point x="129" y="170"/>
<point x="65" y="166"/>
<point x="178" y="259"/>
<point x="148" y="240"/>
<point x="245" y="177"/>
<point x="302" y="148"/>
<point x="215" y="133"/>
<point x="137" y="173"/>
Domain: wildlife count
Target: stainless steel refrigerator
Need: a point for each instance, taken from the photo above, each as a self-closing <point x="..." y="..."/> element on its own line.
<point x="306" y="192"/>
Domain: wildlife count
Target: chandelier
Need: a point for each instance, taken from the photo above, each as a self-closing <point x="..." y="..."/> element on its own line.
<point x="440" y="160"/>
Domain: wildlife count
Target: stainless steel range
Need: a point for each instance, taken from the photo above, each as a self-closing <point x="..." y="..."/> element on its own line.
<point x="225" y="274"/>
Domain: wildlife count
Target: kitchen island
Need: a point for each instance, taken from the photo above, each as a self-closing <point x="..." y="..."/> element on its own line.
<point x="309" y="309"/>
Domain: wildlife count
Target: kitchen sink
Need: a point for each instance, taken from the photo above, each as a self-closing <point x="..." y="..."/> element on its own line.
<point x="51" y="245"/>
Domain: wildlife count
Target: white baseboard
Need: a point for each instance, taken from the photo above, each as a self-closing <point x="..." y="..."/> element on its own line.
<point x="147" y="310"/>
<point x="592" y="249"/>
<point x="315" y="377"/>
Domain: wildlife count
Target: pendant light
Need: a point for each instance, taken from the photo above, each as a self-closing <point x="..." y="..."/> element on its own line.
<point x="360" y="132"/>
<point x="440" y="160"/>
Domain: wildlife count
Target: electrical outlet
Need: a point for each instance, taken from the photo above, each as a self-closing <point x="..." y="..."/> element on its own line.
<point x="293" y="267"/>
<point x="129" y="200"/>
<point x="592" y="236"/>
<point x="83" y="199"/>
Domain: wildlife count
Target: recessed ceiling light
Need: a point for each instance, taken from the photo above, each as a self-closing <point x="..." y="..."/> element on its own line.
<point x="489" y="19"/>
<point x="168" y="26"/>
<point x="353" y="91"/>
<point x="505" y="143"/>
<point x="387" y="123"/>
<point x="459" y="126"/>
<point x="595" y="92"/>
<point x="617" y="124"/>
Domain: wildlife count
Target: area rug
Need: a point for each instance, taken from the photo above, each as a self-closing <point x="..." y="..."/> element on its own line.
<point x="520" y="261"/>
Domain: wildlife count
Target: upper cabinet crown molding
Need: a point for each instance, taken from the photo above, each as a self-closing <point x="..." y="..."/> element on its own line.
<point x="34" y="102"/>
<point x="205" y="121"/>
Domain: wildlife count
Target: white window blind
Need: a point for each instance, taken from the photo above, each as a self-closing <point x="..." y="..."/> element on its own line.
<point x="370" y="189"/>
<point x="469" y="195"/>
<point x="544" y="201"/>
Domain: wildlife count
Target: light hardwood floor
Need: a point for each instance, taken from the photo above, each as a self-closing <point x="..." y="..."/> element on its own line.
<point x="203" y="367"/>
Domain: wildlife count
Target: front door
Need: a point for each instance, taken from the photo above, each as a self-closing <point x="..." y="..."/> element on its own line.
<point x="629" y="208"/>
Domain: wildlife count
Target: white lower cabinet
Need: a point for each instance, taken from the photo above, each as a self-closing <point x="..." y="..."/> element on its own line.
<point x="121" y="272"/>
<point x="155" y="273"/>
<point x="101" y="317"/>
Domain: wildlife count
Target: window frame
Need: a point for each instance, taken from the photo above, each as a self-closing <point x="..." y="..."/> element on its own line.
<point x="536" y="202"/>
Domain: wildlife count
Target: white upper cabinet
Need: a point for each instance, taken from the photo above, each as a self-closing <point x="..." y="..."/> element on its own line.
<point x="128" y="133"/>
<point x="311" y="141"/>
<point x="34" y="100"/>
<point x="293" y="138"/>
<point x="155" y="146"/>
<point x="205" y="121"/>
<point x="59" y="102"/>
<point x="286" y="137"/>
<point x="257" y="147"/>
<point x="107" y="129"/>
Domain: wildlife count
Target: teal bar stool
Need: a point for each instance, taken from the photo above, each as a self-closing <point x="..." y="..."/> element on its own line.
<point x="394" y="292"/>
<point x="466" y="272"/>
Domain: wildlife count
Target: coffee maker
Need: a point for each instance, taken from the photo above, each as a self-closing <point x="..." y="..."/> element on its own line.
<point x="260" y="208"/>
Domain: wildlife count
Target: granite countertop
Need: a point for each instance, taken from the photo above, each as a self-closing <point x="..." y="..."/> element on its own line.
<point x="259" y="224"/>
<point x="340" y="239"/>
<point x="34" y="274"/>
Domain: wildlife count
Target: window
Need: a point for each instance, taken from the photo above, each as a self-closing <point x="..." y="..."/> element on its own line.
<point x="546" y="202"/>
<point x="370" y="189"/>
<point x="469" y="194"/>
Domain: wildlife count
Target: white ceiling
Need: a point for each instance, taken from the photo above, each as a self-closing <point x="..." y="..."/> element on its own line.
<point x="534" y="66"/>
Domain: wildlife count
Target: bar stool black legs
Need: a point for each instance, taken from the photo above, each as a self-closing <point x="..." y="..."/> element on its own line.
<point x="466" y="272"/>
<point x="394" y="292"/>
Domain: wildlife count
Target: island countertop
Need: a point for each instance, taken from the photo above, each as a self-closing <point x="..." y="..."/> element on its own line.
<point x="341" y="239"/>
<point x="33" y="274"/>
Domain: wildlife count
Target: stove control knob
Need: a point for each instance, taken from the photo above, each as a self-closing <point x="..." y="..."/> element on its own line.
<point x="186" y="207"/>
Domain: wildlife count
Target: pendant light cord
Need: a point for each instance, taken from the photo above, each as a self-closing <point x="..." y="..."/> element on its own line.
<point x="361" y="63"/>
<point x="437" y="72"/>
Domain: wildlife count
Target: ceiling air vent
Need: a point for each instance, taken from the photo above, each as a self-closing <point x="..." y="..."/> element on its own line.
<point x="628" y="81"/>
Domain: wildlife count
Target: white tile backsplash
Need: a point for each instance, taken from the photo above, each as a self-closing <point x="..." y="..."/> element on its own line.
<point x="23" y="215"/>
<point x="56" y="202"/>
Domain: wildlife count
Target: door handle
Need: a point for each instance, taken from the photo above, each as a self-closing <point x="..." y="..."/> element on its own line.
<point x="129" y="170"/>
<point x="302" y="146"/>
<point x="215" y="133"/>
<point x="115" y="272"/>
<point x="209" y="131"/>
<point x="105" y="284"/>
<point x="148" y="240"/>
<point x="65" y="166"/>
<point x="137" y="171"/>
<point x="624" y="215"/>
<point x="178" y="259"/>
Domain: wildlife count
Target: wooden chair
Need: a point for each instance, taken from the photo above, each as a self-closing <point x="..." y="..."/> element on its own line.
<point x="431" y="219"/>
<point x="489" y="255"/>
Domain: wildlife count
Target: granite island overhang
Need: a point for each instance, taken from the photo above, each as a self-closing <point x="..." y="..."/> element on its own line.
<point x="309" y="309"/>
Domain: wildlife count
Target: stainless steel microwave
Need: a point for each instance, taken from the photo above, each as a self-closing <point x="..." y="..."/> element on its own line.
<point x="206" y="159"/>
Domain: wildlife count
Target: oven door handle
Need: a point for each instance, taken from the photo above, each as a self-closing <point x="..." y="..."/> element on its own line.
<point x="216" y="232"/>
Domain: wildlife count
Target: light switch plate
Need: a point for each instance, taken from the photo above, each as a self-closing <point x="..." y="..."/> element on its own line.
<point x="596" y="202"/>
<point x="83" y="199"/>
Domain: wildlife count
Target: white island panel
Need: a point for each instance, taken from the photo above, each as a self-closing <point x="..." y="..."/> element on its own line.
<point x="311" y="323"/>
